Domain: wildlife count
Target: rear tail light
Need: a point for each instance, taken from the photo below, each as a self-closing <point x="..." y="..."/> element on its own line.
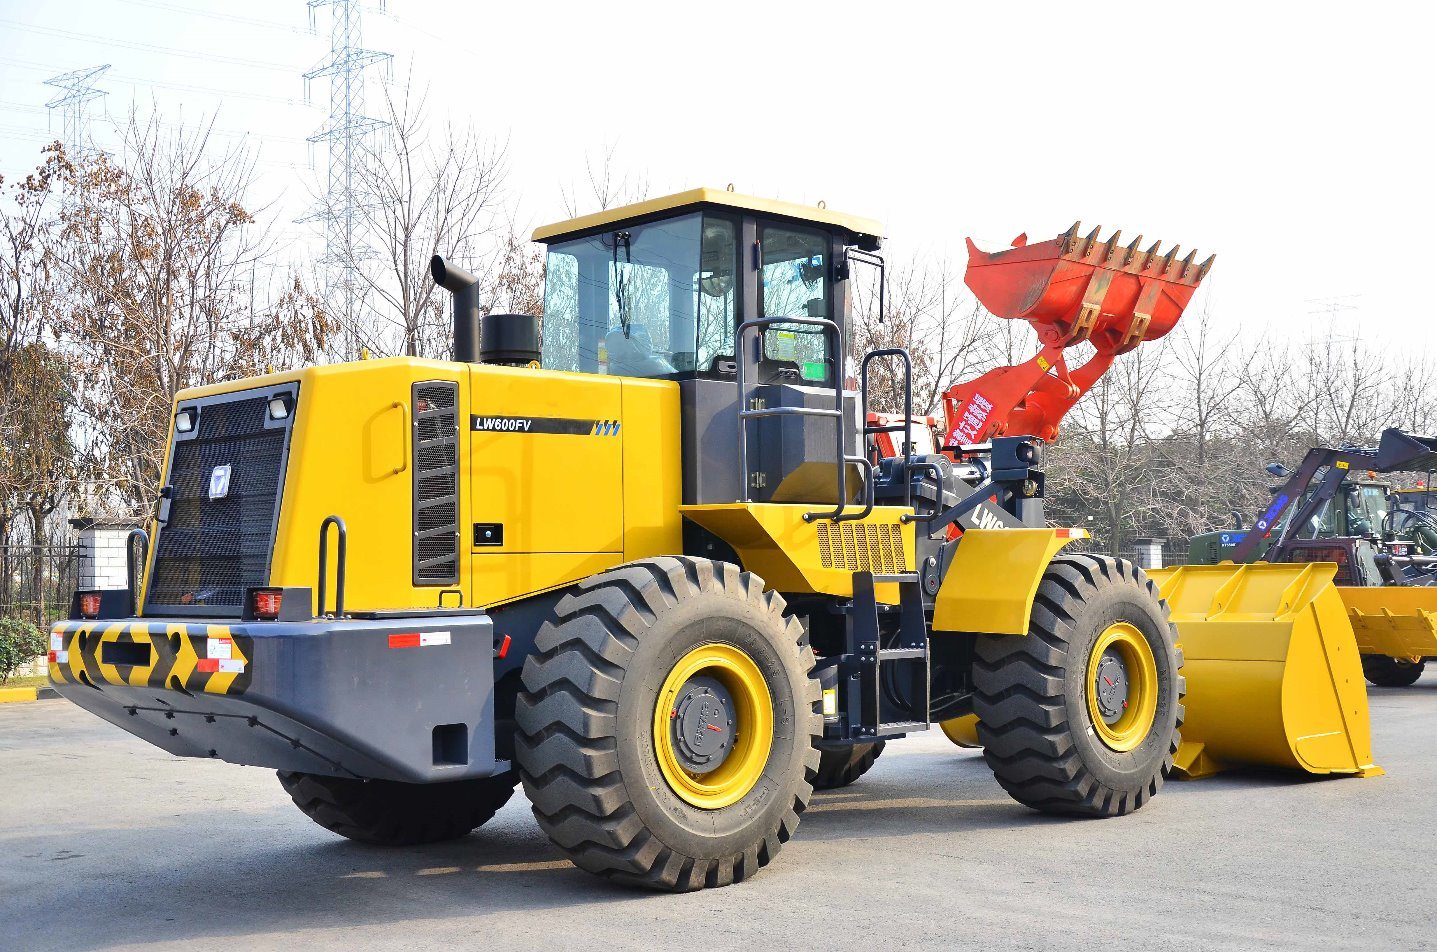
<point x="90" y="604"/>
<point x="265" y="603"/>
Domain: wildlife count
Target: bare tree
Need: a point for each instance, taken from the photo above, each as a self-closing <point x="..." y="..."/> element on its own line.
<point x="163" y="260"/>
<point x="947" y="333"/>
<point x="606" y="185"/>
<point x="427" y="192"/>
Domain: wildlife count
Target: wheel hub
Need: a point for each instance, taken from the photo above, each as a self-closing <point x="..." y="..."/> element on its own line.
<point x="702" y="725"/>
<point x="1110" y="680"/>
<point x="1122" y="686"/>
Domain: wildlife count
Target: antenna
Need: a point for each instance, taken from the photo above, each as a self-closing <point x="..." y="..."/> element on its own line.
<point x="346" y="127"/>
<point x="79" y="87"/>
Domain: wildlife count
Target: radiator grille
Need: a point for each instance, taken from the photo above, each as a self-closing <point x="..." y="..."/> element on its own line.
<point x="208" y="551"/>
<point x="862" y="547"/>
<point x="436" y="483"/>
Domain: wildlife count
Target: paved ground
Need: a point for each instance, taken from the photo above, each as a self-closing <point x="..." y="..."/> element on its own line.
<point x="108" y="843"/>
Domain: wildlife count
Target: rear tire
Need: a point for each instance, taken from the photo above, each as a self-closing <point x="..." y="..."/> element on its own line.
<point x="588" y="743"/>
<point x="386" y="813"/>
<point x="1387" y="672"/>
<point x="841" y="764"/>
<point x="1032" y="694"/>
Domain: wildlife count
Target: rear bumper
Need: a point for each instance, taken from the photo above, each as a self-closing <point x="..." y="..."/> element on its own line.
<point x="399" y="699"/>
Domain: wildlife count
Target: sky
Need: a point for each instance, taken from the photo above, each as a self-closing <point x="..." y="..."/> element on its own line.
<point x="1294" y="140"/>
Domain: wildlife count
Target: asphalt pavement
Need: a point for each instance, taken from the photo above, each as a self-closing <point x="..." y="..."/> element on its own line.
<point x="107" y="843"/>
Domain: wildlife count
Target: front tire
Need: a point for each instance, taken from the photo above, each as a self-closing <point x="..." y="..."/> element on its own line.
<point x="387" y="813"/>
<point x="618" y="781"/>
<point x="841" y="764"/>
<point x="1386" y="672"/>
<point x="1080" y="716"/>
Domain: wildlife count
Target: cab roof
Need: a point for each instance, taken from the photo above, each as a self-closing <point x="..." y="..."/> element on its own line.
<point x="695" y="197"/>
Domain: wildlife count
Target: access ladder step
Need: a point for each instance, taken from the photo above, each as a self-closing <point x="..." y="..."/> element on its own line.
<point x="894" y="728"/>
<point x="902" y="654"/>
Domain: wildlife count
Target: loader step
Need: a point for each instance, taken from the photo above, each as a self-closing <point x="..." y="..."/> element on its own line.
<point x="895" y="728"/>
<point x="902" y="654"/>
<point x="895" y="577"/>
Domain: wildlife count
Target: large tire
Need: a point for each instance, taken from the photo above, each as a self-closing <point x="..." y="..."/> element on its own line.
<point x="1039" y="734"/>
<point x="841" y="764"/>
<point x="1388" y="672"/>
<point x="587" y="746"/>
<point x="386" y="813"/>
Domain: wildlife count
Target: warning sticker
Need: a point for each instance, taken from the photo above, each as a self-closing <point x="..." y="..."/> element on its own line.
<point x="419" y="639"/>
<point x="219" y="666"/>
<point x="219" y="648"/>
<point x="57" y="641"/>
<point x="785" y="345"/>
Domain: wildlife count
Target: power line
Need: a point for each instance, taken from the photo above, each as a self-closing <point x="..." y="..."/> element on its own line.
<point x="182" y="87"/>
<point x="229" y="17"/>
<point x="144" y="47"/>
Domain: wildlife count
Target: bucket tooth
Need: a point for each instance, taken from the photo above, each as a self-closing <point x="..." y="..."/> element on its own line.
<point x="1188" y="263"/>
<point x="1089" y="241"/>
<point x="1066" y="239"/>
<point x="1168" y="260"/>
<point x="1111" y="244"/>
<point x="1132" y="249"/>
<point x="1148" y="255"/>
<point x="1205" y="267"/>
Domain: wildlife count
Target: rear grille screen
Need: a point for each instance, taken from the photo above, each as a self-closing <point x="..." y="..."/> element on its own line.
<point x="436" y="483"/>
<point x="209" y="550"/>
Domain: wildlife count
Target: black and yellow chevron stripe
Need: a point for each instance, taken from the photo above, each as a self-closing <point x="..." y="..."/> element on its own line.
<point x="174" y="659"/>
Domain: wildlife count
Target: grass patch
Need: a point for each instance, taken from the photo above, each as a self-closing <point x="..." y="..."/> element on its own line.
<point x="33" y="681"/>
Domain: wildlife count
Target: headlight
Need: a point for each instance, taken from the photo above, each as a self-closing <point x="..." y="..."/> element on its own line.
<point x="185" y="421"/>
<point x="278" y="407"/>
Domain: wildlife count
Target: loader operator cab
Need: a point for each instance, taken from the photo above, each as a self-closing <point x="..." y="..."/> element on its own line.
<point x="659" y="289"/>
<point x="742" y="301"/>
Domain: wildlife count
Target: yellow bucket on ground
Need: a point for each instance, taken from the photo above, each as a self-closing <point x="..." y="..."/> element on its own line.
<point x="1272" y="667"/>
<point x="1396" y="620"/>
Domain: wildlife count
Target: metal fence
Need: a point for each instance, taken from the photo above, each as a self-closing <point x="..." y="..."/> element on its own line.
<point x="36" y="584"/>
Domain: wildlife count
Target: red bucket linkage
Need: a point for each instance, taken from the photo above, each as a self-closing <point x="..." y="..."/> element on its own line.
<point x="1071" y="289"/>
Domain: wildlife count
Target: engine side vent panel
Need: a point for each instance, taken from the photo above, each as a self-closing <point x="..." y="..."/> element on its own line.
<point x="862" y="547"/>
<point x="436" y="482"/>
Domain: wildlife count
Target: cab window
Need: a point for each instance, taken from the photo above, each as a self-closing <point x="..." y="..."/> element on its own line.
<point x="718" y="292"/>
<point x="794" y="282"/>
<point x="624" y="302"/>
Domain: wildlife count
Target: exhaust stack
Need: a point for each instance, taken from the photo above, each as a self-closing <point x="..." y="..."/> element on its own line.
<point x="462" y="285"/>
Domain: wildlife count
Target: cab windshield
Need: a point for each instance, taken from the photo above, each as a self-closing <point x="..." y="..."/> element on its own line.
<point x="648" y="300"/>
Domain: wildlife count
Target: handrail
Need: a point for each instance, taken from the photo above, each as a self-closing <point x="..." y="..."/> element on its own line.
<point x="132" y="582"/>
<point x="408" y="435"/>
<point x="744" y="414"/>
<point x="905" y="448"/>
<point x="840" y="515"/>
<point x="339" y="569"/>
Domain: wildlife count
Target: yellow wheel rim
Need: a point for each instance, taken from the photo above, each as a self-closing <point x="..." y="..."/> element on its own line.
<point x="750" y="733"/>
<point x="1122" y="686"/>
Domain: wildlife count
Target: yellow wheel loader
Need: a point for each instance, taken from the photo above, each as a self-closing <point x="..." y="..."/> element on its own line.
<point x="637" y="560"/>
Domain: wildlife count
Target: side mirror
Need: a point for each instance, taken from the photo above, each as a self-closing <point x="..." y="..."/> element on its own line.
<point x="1278" y="470"/>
